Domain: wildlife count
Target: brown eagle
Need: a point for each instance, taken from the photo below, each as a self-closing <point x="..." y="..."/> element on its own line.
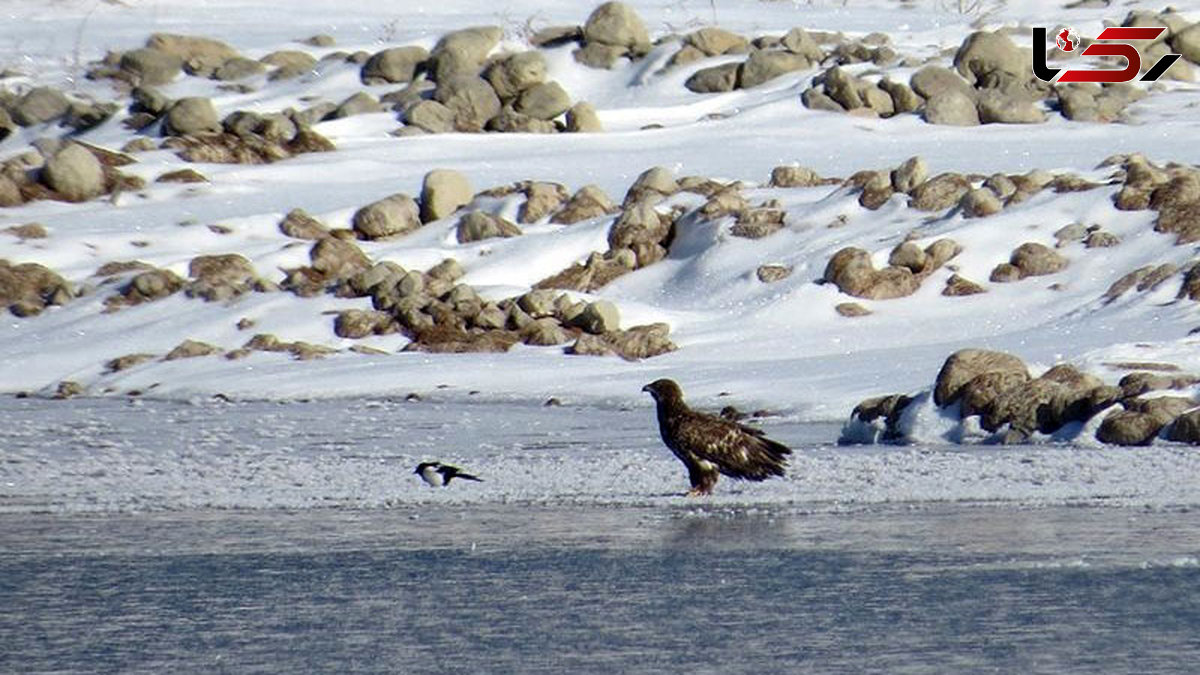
<point x="708" y="445"/>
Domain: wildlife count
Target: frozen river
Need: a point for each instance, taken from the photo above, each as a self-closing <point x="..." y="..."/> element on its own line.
<point x="267" y="537"/>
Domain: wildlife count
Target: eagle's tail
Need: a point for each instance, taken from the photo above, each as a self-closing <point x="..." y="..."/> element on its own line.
<point x="773" y="457"/>
<point x="467" y="476"/>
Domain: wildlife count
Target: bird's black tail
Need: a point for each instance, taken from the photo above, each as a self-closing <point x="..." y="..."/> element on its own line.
<point x="467" y="476"/>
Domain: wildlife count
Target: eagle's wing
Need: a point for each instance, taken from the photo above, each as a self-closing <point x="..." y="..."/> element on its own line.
<point x="737" y="451"/>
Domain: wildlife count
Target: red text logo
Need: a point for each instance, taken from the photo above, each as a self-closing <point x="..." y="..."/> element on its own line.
<point x="1119" y="36"/>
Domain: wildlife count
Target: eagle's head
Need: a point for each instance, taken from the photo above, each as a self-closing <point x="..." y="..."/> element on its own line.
<point x="664" y="390"/>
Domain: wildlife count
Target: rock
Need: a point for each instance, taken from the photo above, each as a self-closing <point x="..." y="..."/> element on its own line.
<point x="800" y="41"/>
<point x="1024" y="408"/>
<point x="939" y="193"/>
<point x="1141" y="382"/>
<point x="10" y="192"/>
<point x="74" y="173"/>
<point x="951" y="108"/>
<point x="713" y="41"/>
<point x="554" y="36"/>
<point x="151" y="285"/>
<point x="1034" y="259"/>
<point x="940" y="252"/>
<point x="470" y="98"/>
<point x="444" y="191"/>
<point x="851" y="310"/>
<point x="360" y="103"/>
<point x="337" y="259"/>
<point x="598" y="317"/>
<point x="957" y="286"/>
<point x="617" y="24"/>
<point x="1129" y="427"/>
<point x="769" y="274"/>
<point x="638" y="225"/>
<point x="979" y="203"/>
<point x="199" y="54"/>
<point x="477" y="226"/>
<point x="714" y="79"/>
<point x="28" y="231"/>
<point x="288" y="64"/>
<point x="545" y="332"/>
<point x="1005" y="273"/>
<point x="983" y="55"/>
<point x="541" y="200"/>
<point x="299" y="225"/>
<point x="543" y="101"/>
<point x="186" y="176"/>
<point x="511" y="121"/>
<point x="904" y="99"/>
<point x="639" y="342"/>
<point x="932" y="81"/>
<point x="996" y="107"/>
<point x="516" y="73"/>
<point x="598" y="55"/>
<point x="1186" y="428"/>
<point x="190" y="349"/>
<point x="379" y="279"/>
<point x="1190" y="288"/>
<point x="31" y="286"/>
<point x="462" y="52"/>
<point x="389" y="217"/>
<point x="795" y="176"/>
<point x="851" y="270"/>
<point x="582" y="118"/>
<point x="151" y="67"/>
<point x="1187" y="43"/>
<point x="655" y="182"/>
<point x="966" y="364"/>
<point x="39" y="105"/>
<point x="979" y="395"/>
<point x="238" y="68"/>
<point x="1101" y="239"/>
<point x="431" y="116"/>
<point x="126" y="362"/>
<point x="889" y="408"/>
<point x="908" y="254"/>
<point x="359" y="323"/>
<point x="395" y="65"/>
<point x="763" y="66"/>
<point x="220" y="277"/>
<point x="814" y="99"/>
<point x="191" y="116"/>
<point x="910" y="174"/>
<point x="588" y="202"/>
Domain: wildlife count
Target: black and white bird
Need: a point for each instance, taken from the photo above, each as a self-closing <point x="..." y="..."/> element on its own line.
<point x="439" y="475"/>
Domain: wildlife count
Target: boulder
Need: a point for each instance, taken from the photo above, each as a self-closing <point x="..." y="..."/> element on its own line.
<point x="199" y="54"/>
<point x="985" y="55"/>
<point x="359" y="103"/>
<point x="444" y="191"/>
<point x="598" y="317"/>
<point x="337" y="259"/>
<point x="957" y="286"/>
<point x="430" y="116"/>
<point x="543" y="101"/>
<point x="516" y="73"/>
<point x="931" y="81"/>
<point x="966" y="364"/>
<point x="463" y="52"/>
<point x="582" y="118"/>
<point x="39" y="105"/>
<point x="1034" y="259"/>
<point x="851" y="270"/>
<point x="389" y="217"/>
<point x="618" y="25"/>
<point x="910" y="174"/>
<point x="31" y="286"/>
<point x="395" y="65"/>
<point x="190" y="349"/>
<point x="151" y="67"/>
<point x="951" y="108"/>
<point x="713" y="41"/>
<point x="996" y="107"/>
<point x="939" y="193"/>
<point x="639" y="225"/>
<point x="590" y="201"/>
<point x="714" y="79"/>
<point x="220" y="277"/>
<point x="765" y="65"/>
<point x="477" y="226"/>
<point x="74" y="173"/>
<point x="1186" y="428"/>
<point x="979" y="203"/>
<point x="360" y="323"/>
<point x="299" y="225"/>
<point x="470" y="98"/>
<point x="191" y="116"/>
<point x="541" y="200"/>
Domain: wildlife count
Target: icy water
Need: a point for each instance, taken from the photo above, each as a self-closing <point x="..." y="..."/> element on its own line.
<point x="157" y="537"/>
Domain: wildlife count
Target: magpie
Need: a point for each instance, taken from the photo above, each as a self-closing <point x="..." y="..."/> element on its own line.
<point x="439" y="475"/>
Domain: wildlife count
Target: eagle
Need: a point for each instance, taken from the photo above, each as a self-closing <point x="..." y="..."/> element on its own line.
<point x="439" y="475"/>
<point x="709" y="445"/>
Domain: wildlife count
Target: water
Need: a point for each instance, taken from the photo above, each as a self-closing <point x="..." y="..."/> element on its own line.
<point x="275" y="538"/>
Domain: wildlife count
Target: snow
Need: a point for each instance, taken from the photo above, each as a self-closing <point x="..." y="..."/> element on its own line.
<point x="777" y="345"/>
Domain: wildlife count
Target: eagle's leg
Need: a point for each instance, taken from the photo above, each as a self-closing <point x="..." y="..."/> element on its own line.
<point x="703" y="481"/>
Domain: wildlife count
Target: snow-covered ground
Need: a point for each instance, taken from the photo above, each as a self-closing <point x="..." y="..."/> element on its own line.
<point x="777" y="345"/>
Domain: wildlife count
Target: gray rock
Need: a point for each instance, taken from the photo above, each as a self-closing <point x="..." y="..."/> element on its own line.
<point x="904" y="99"/>
<point x="444" y="191"/>
<point x="463" y="52"/>
<point x="851" y="270"/>
<point x="582" y="118"/>
<point x="639" y="224"/>
<point x="590" y="201"/>
<point x="1187" y="43"/>
<point x="191" y="116"/>
<point x="430" y="116"/>
<point x="543" y="101"/>
<point x="769" y="274"/>
<point x="715" y="79"/>
<point x="470" y="98"/>
<point x="359" y="103"/>
<point x="908" y="254"/>
<point x="75" y="173"/>
<point x="477" y="226"/>
<point x="910" y="174"/>
<point x="388" y="217"/>
<point x="851" y="310"/>
<point x="1186" y="428"/>
<point x="152" y="66"/>
<point x="951" y="108"/>
<point x="598" y="318"/>
<point x="617" y="24"/>
<point x="800" y="41"/>
<point x="764" y="65"/>
<point x="238" y="68"/>
<point x="939" y="193"/>
<point x="1034" y="259"/>
<point x="843" y="88"/>
<point x="998" y="108"/>
<point x="957" y="286"/>
<point x="966" y="364"/>
<point x="200" y="55"/>
<point x="395" y="65"/>
<point x="541" y="200"/>
<point x="815" y="99"/>
<point x="657" y="181"/>
<point x="39" y="105"/>
<point x="979" y="203"/>
<point x="335" y="258"/>
<point x="713" y="41"/>
<point x="795" y="176"/>
<point x="983" y="55"/>
<point x="932" y="81"/>
<point x="600" y="55"/>
<point x="516" y="73"/>
<point x="511" y="121"/>
<point x="360" y="323"/>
